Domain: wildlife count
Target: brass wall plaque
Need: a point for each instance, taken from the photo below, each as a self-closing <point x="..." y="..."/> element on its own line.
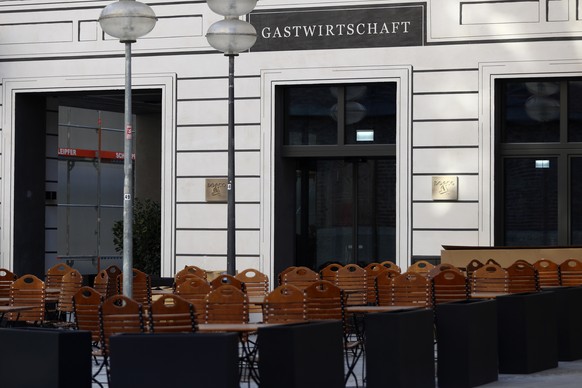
<point x="445" y="188"/>
<point x="216" y="190"/>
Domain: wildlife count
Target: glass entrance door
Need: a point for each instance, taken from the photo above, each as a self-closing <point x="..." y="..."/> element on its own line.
<point x="345" y="211"/>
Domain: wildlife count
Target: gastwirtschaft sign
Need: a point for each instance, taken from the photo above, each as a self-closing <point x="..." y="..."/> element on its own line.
<point x="337" y="28"/>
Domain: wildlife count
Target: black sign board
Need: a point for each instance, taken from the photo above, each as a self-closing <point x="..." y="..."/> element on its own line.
<point x="336" y="28"/>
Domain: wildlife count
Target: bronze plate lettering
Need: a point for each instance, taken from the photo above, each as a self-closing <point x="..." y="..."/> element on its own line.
<point x="216" y="190"/>
<point x="445" y="188"/>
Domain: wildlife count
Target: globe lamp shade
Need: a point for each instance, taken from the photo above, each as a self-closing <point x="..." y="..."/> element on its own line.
<point x="231" y="8"/>
<point x="127" y="20"/>
<point x="231" y="36"/>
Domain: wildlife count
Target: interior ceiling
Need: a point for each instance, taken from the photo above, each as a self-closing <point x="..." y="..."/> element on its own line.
<point x="143" y="100"/>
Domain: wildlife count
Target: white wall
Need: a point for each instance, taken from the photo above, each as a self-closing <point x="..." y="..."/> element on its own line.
<point x="446" y="128"/>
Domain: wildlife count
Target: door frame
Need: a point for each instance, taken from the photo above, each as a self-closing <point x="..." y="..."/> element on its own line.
<point x="166" y="82"/>
<point x="488" y="74"/>
<point x="271" y="78"/>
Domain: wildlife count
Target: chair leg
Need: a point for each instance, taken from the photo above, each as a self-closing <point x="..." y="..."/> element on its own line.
<point x="98" y="371"/>
<point x="248" y="360"/>
<point x="353" y="353"/>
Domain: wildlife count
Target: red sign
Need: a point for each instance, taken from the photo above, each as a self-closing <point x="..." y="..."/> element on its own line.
<point x="90" y="154"/>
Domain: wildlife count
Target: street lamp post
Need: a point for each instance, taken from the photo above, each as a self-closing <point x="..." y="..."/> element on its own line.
<point x="127" y="20"/>
<point x="231" y="36"/>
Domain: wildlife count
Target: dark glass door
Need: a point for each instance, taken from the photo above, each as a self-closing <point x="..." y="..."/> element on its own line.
<point x="530" y="201"/>
<point x="345" y="211"/>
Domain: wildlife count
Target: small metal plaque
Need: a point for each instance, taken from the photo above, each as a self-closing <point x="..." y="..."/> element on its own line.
<point x="216" y="190"/>
<point x="445" y="188"/>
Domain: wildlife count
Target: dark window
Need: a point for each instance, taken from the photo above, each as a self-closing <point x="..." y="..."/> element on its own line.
<point x="538" y="162"/>
<point x="336" y="115"/>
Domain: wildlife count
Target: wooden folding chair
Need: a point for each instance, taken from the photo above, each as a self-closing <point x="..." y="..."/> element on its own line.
<point x="192" y="270"/>
<point x="117" y="315"/>
<point x="187" y="272"/>
<point x="571" y="273"/>
<point x="548" y="273"/>
<point x="324" y="300"/>
<point x="101" y="283"/>
<point x="28" y="290"/>
<point x="442" y="267"/>
<point x="171" y="314"/>
<point x="6" y="280"/>
<point x="449" y="285"/>
<point x="55" y="275"/>
<point x="422" y="267"/>
<point x="256" y="285"/>
<point x="391" y="265"/>
<point x="282" y="274"/>
<point x="411" y="289"/>
<point x="113" y="272"/>
<point x="284" y="305"/>
<point x="471" y="267"/>
<point x="71" y="282"/>
<point x="372" y="271"/>
<point x="142" y="289"/>
<point x="86" y="302"/>
<point x="384" y="287"/>
<point x="226" y="304"/>
<point x="490" y="278"/>
<point x="53" y="283"/>
<point x="352" y="279"/>
<point x="226" y="279"/>
<point x="522" y="277"/>
<point x="329" y="272"/>
<point x="300" y="277"/>
<point x="194" y="290"/>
